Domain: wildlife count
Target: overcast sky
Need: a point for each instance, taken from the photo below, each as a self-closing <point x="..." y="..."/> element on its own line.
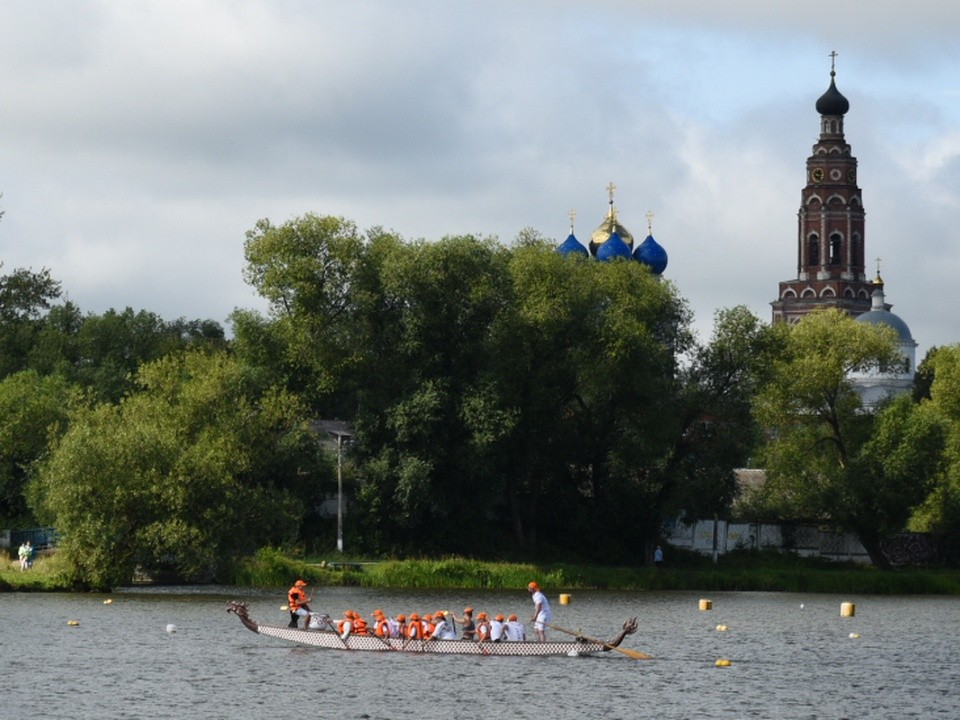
<point x="139" y="141"/>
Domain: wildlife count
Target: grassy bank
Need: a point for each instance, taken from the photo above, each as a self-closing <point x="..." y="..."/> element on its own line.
<point x="748" y="572"/>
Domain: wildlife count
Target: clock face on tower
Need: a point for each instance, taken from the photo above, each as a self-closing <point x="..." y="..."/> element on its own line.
<point x="817" y="174"/>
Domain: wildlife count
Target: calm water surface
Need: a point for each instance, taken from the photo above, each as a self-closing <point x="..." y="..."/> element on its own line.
<point x="792" y="657"/>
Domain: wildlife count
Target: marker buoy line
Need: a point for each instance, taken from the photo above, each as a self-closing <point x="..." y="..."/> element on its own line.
<point x="108" y="601"/>
<point x="73" y="623"/>
<point x="723" y="662"/>
<point x="721" y="628"/>
<point x="848" y="609"/>
<point x="564" y="598"/>
<point x="706" y="604"/>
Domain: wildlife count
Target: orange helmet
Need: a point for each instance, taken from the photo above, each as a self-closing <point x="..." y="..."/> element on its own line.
<point x="531" y="586"/>
<point x="481" y="616"/>
<point x="401" y="617"/>
<point x="414" y="616"/>
<point x="499" y="618"/>
<point x="468" y="611"/>
<point x="300" y="583"/>
<point x="513" y="617"/>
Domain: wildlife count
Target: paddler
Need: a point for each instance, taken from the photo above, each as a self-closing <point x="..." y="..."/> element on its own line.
<point x="442" y="630"/>
<point x="297" y="603"/>
<point x="541" y="611"/>
<point x="514" y="629"/>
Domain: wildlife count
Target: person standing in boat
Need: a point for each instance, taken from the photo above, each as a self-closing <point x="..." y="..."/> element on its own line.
<point x="541" y="611"/>
<point x="469" y="626"/>
<point x="297" y="602"/>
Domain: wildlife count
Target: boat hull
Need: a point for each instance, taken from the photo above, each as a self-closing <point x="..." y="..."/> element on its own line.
<point x="332" y="641"/>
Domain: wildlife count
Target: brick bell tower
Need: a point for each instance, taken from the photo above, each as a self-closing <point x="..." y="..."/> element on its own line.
<point x="830" y="238"/>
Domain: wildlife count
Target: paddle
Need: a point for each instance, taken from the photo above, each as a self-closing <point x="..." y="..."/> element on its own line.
<point x="636" y="655"/>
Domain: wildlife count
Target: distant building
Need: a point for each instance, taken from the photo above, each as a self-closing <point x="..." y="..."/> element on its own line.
<point x="612" y="241"/>
<point x="831" y="248"/>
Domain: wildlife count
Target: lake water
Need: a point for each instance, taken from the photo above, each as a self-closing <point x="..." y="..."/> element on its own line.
<point x="792" y="656"/>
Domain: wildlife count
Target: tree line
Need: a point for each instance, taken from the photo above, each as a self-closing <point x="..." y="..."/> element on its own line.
<point x="504" y="402"/>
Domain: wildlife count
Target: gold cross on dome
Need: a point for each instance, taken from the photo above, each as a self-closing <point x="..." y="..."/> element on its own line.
<point x="573" y="216"/>
<point x="833" y="60"/>
<point x="649" y="222"/>
<point x="878" y="266"/>
<point x="611" y="189"/>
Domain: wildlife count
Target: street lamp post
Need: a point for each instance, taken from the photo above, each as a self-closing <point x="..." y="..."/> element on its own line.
<point x="340" y="492"/>
<point x="342" y="432"/>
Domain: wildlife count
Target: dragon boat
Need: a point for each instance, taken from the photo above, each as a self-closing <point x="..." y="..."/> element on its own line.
<point x="332" y="640"/>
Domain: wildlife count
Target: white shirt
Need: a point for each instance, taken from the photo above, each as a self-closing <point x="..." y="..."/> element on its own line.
<point x="496" y="630"/>
<point x="545" y="613"/>
<point x="443" y="631"/>
<point x="515" y="631"/>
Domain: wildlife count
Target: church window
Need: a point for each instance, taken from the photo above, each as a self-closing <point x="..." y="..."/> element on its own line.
<point x="813" y="250"/>
<point x="835" y="249"/>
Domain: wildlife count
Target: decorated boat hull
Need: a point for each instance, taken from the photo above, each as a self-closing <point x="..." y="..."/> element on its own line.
<point x="332" y="640"/>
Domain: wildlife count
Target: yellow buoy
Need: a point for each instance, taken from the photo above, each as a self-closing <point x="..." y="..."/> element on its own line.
<point x="706" y="604"/>
<point x="722" y="662"/>
<point x="854" y="636"/>
<point x="284" y="607"/>
<point x="108" y="601"/>
<point x="73" y="623"/>
<point x="564" y="598"/>
<point x="721" y="628"/>
<point x="848" y="609"/>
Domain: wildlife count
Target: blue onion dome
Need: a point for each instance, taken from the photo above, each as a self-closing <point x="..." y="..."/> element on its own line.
<point x="651" y="254"/>
<point x="572" y="246"/>
<point x="613" y="248"/>
<point x="832" y="102"/>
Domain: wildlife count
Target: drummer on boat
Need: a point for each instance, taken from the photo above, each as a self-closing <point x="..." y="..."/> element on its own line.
<point x="297" y="602"/>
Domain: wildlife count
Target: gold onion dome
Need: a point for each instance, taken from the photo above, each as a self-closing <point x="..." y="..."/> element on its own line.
<point x="609" y="226"/>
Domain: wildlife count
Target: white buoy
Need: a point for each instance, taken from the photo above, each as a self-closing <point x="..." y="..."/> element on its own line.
<point x="171" y="628"/>
<point x="801" y="606"/>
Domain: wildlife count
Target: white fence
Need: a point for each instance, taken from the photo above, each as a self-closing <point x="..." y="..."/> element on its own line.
<point x="719" y="536"/>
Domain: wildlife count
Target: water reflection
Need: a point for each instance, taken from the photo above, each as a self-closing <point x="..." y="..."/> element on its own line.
<point x="792" y="656"/>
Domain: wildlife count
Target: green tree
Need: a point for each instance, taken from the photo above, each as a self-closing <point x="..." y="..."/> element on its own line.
<point x="25" y="298"/>
<point x="940" y="512"/>
<point x="717" y="431"/>
<point x="305" y="269"/>
<point x="33" y="409"/>
<point x="204" y="462"/>
<point x="827" y="457"/>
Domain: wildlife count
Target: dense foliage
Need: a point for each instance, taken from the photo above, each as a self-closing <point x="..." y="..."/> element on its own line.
<point x="502" y="402"/>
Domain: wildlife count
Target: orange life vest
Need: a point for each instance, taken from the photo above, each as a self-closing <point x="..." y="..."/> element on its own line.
<point x="483" y="630"/>
<point x="415" y="630"/>
<point x="382" y="628"/>
<point x="295" y="598"/>
<point x="359" y="626"/>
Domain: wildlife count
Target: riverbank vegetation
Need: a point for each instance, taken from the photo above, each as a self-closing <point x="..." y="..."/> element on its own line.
<point x="739" y="571"/>
<point x="495" y="402"/>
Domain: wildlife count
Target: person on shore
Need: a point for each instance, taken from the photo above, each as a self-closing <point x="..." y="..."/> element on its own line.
<point x="658" y="557"/>
<point x="514" y="629"/>
<point x="297" y="603"/>
<point x="468" y="624"/>
<point x="30" y="553"/>
<point x="24" y="556"/>
<point x="541" y="611"/>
